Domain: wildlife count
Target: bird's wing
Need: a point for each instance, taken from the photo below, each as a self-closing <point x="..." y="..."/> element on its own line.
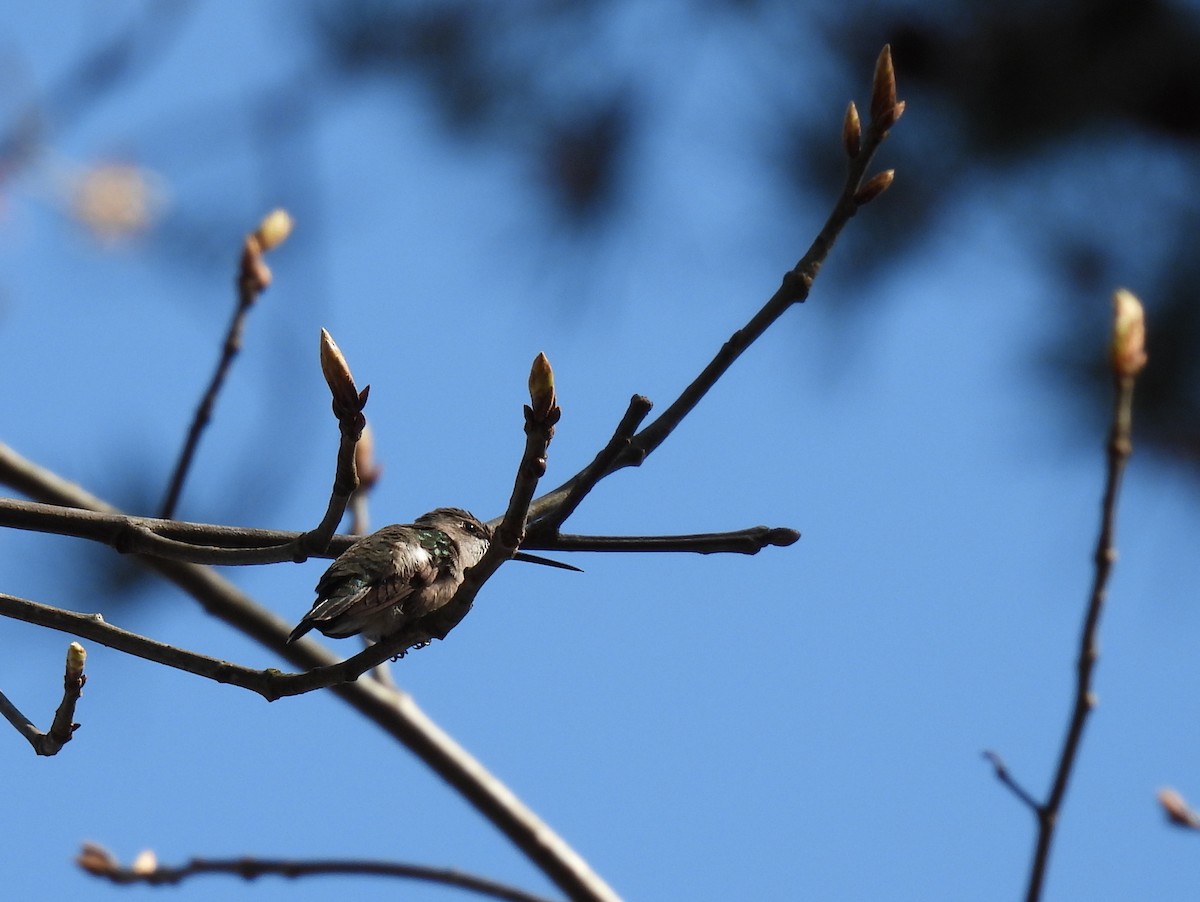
<point x="356" y="587"/>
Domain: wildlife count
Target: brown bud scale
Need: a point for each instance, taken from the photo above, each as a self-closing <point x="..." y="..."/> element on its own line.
<point x="874" y="187"/>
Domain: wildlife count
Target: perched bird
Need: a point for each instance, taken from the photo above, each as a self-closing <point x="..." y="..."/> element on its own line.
<point x="394" y="577"/>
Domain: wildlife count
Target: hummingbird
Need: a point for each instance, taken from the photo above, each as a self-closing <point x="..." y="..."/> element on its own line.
<point x="395" y="576"/>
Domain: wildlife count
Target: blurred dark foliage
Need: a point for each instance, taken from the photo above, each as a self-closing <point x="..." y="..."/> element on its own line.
<point x="1021" y="75"/>
<point x="1081" y="116"/>
<point x="495" y="73"/>
<point x="1057" y="92"/>
<point x="1076" y="120"/>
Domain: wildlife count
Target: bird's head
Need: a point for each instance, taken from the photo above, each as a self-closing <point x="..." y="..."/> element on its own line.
<point x="473" y="536"/>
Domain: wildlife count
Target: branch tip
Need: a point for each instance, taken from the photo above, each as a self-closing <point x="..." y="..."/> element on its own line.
<point x="883" y="87"/>
<point x="541" y="388"/>
<point x="874" y="186"/>
<point x="76" y="657"/>
<point x="145" y="863"/>
<point x="1177" y="810"/>
<point x="97" y="860"/>
<point x="1127" y="350"/>
<point x="347" y="400"/>
<point x="852" y="131"/>
<point x="782" y="537"/>
<point x="274" y="229"/>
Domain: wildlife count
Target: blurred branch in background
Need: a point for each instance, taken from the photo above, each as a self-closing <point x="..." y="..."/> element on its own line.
<point x="1127" y="357"/>
<point x="146" y="869"/>
<point x="1087" y="115"/>
<point x="254" y="276"/>
<point x="1178" y="812"/>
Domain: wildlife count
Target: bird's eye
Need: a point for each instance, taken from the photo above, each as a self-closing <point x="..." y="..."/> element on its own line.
<point x="470" y="527"/>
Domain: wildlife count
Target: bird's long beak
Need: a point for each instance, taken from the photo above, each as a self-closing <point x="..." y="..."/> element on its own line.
<point x="545" y="561"/>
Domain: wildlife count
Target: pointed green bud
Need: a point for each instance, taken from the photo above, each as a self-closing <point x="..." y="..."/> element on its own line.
<point x="1177" y="810"/>
<point x="851" y="131"/>
<point x="874" y="186"/>
<point x="541" y="387"/>
<point x="76" y="656"/>
<point x="337" y="375"/>
<point x="97" y="860"/>
<point x="1127" y="350"/>
<point x="145" y="863"/>
<point x="883" y="88"/>
<point x="274" y="229"/>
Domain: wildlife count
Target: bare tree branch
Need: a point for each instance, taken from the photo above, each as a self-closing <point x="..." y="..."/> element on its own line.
<point x="743" y="541"/>
<point x="144" y="535"/>
<point x="1128" y="359"/>
<point x="145" y="869"/>
<point x="100" y="863"/>
<point x="197" y="543"/>
<point x="540" y="417"/>
<point x="639" y="408"/>
<point x="395" y="712"/>
<point x="94" y="628"/>
<point x="252" y="280"/>
<point x="62" y="728"/>
<point x="1005" y="777"/>
<point x="794" y="290"/>
<point x="1127" y="356"/>
<point x="271" y="684"/>
<point x="243" y="546"/>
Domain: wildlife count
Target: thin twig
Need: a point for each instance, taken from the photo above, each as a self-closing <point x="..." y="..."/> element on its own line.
<point x="145" y="869"/>
<point x="271" y="683"/>
<point x="743" y="541"/>
<point x="794" y="290"/>
<point x="1003" y="775"/>
<point x="507" y="534"/>
<point x="393" y="711"/>
<point x="348" y="404"/>
<point x="252" y="279"/>
<point x="639" y="408"/>
<point x="20" y="722"/>
<point x="1178" y="812"/>
<point x="1127" y="357"/>
<point x="141" y="535"/>
<point x="242" y="546"/>
<point x="94" y="628"/>
<point x="1119" y="448"/>
<point x="144" y="535"/>
<point x="62" y="728"/>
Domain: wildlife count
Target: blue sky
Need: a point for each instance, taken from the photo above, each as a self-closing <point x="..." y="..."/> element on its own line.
<point x="806" y="723"/>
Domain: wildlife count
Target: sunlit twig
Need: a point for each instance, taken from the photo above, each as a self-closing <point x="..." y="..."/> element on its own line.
<point x="252" y="280"/>
<point x="62" y="728"/>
